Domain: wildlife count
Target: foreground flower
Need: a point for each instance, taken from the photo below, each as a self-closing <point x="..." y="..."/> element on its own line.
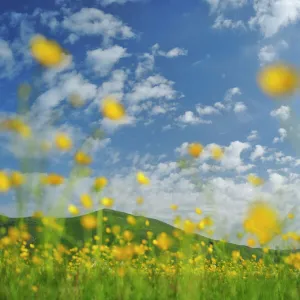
<point x="86" y="201"/>
<point x="82" y="158"/>
<point x="63" y="142"/>
<point x="254" y="180"/>
<point x="52" y="179"/>
<point x="163" y="241"/>
<point x="112" y="109"/>
<point x="195" y="149"/>
<point x="100" y="183"/>
<point x="4" y="182"/>
<point x="17" y="179"/>
<point x="278" y="80"/>
<point x="217" y="152"/>
<point x="142" y="178"/>
<point x="47" y="53"/>
<point x="263" y="221"/>
<point x="73" y="210"/>
<point x="88" y="222"/>
<point x="107" y="202"/>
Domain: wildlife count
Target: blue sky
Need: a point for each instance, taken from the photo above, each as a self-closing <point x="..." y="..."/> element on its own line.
<point x="186" y="72"/>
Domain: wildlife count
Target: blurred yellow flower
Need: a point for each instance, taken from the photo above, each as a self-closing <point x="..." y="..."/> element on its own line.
<point x="142" y="178"/>
<point x="100" y="183"/>
<point x="174" y="207"/>
<point x="198" y="211"/>
<point x="195" y="149"/>
<point x="278" y="80"/>
<point x="263" y="221"/>
<point x="82" y="158"/>
<point x="291" y="216"/>
<point x="107" y="202"/>
<point x="73" y="209"/>
<point x="254" y="180"/>
<point x="217" y="152"/>
<point x="112" y="109"/>
<point x="128" y="235"/>
<point x="86" y="201"/>
<point x="47" y="53"/>
<point x="140" y="200"/>
<point x="63" y="142"/>
<point x="52" y="179"/>
<point x="131" y="220"/>
<point x="163" y="241"/>
<point x="17" y="126"/>
<point x="4" y="182"/>
<point x="189" y="227"/>
<point x="235" y="254"/>
<point x="17" y="179"/>
<point x="251" y="242"/>
<point x="76" y="100"/>
<point x="88" y="222"/>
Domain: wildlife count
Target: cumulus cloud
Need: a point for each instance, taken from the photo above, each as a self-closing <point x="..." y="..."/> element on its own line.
<point x="103" y="60"/>
<point x="282" y="113"/>
<point x="253" y="135"/>
<point x="239" y="107"/>
<point x="190" y="118"/>
<point x="258" y="152"/>
<point x="282" y="136"/>
<point x="269" y="53"/>
<point x="7" y="61"/>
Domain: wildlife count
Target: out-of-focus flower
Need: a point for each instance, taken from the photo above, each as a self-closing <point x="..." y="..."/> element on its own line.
<point x="48" y="53"/>
<point x="107" y="202"/>
<point x="131" y="220"/>
<point x="18" y="126"/>
<point x="76" y="100"/>
<point x="63" y="142"/>
<point x="163" y="241"/>
<point x="174" y="206"/>
<point x="86" y="201"/>
<point x="4" y="182"/>
<point x="198" y="211"/>
<point x="278" y="80"/>
<point x="52" y="179"/>
<point x="73" y="210"/>
<point x="82" y="158"/>
<point x="195" y="149"/>
<point x="262" y="221"/>
<point x="254" y="180"/>
<point x="140" y="200"/>
<point x="112" y="109"/>
<point x="88" y="222"/>
<point x="142" y="178"/>
<point x="17" y="179"/>
<point x="217" y="152"/>
<point x="100" y="183"/>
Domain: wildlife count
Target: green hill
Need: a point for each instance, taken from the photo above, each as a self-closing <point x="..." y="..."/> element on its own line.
<point x="75" y="235"/>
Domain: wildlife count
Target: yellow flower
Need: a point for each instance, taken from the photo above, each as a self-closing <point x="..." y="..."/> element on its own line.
<point x="112" y="109"/>
<point x="195" y="149"/>
<point x="100" y="183"/>
<point x="262" y="221"/>
<point x="291" y="216"/>
<point x="107" y="202"/>
<point x="131" y="220"/>
<point x="127" y="235"/>
<point x="235" y="254"/>
<point x="198" y="211"/>
<point x="278" y="80"/>
<point x="82" y="158"/>
<point x="142" y="178"/>
<point x="251" y="242"/>
<point x="163" y="241"/>
<point x="140" y="200"/>
<point x="254" y="180"/>
<point x="47" y="53"/>
<point x="86" y="201"/>
<point x="217" y="152"/>
<point x="147" y="223"/>
<point x="17" y="179"/>
<point x="88" y="222"/>
<point x="174" y="207"/>
<point x="63" y="142"/>
<point x="52" y="179"/>
<point x="73" y="209"/>
<point x="4" y="182"/>
<point x="189" y="227"/>
<point x="17" y="126"/>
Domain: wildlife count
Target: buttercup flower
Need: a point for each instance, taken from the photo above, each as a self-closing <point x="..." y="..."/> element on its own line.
<point x="195" y="149"/>
<point x="142" y="178"/>
<point x="112" y="109"/>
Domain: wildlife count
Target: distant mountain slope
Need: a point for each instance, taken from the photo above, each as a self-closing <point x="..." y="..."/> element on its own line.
<point x="77" y="234"/>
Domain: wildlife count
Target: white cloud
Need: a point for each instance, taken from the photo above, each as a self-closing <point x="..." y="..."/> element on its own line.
<point x="175" y="52"/>
<point x="7" y="61"/>
<point x="222" y="22"/>
<point x="253" y="135"/>
<point x="92" y="21"/>
<point x="258" y="152"/>
<point x="269" y="53"/>
<point x="190" y="118"/>
<point x="145" y="65"/>
<point x="220" y="5"/>
<point x="109" y="2"/>
<point x="103" y="60"/>
<point x="271" y="16"/>
<point x="282" y="136"/>
<point x="239" y="107"/>
<point x="153" y="87"/>
<point x="206" y="110"/>
<point x="282" y="113"/>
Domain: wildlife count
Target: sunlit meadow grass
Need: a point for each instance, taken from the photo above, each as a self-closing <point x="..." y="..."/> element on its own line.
<point x="111" y="255"/>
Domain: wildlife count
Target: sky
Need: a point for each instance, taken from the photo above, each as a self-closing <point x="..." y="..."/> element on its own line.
<point x="185" y="72"/>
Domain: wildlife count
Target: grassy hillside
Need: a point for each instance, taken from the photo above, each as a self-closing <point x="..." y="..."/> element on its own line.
<point x="75" y="235"/>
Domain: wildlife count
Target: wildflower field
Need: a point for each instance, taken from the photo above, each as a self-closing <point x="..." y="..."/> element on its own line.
<point x="108" y="254"/>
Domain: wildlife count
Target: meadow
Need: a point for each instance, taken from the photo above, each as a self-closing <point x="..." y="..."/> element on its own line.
<point x="108" y="254"/>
